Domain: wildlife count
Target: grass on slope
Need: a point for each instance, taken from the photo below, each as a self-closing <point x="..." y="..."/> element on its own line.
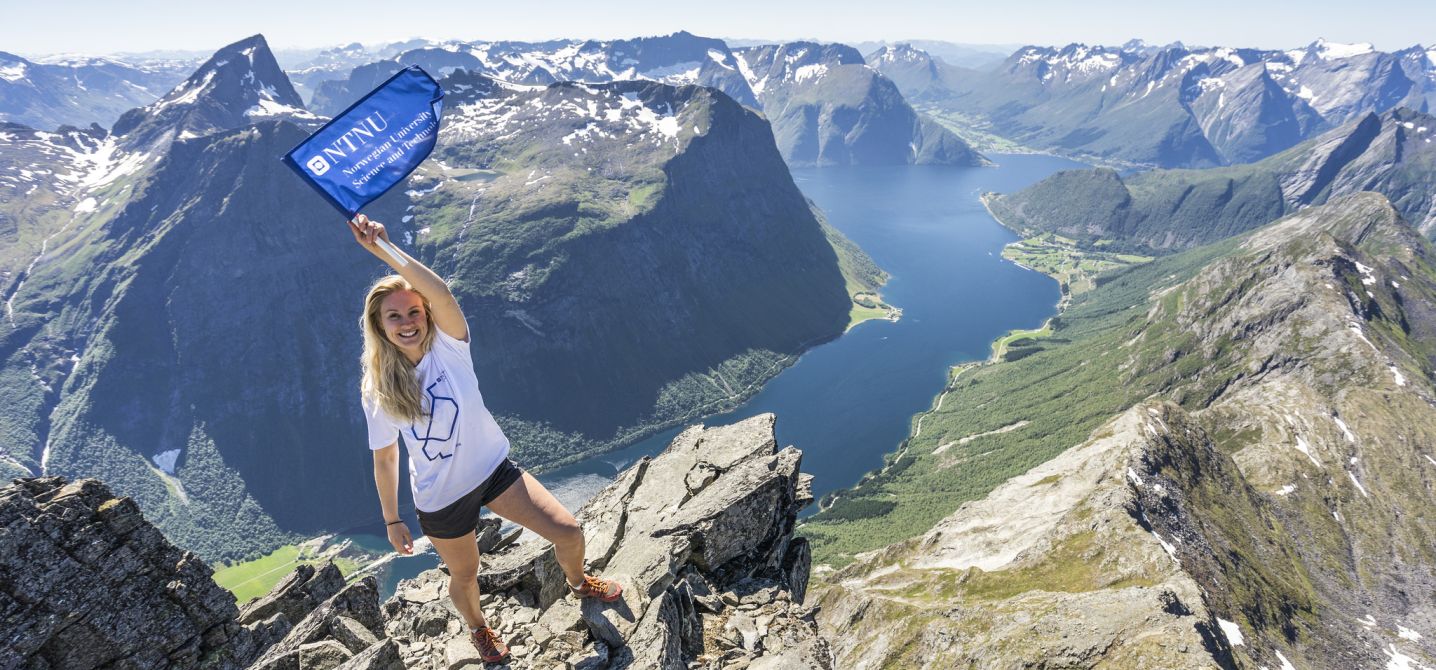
<point x="1063" y="387"/>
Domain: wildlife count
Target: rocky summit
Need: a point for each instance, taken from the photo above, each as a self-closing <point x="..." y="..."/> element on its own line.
<point x="701" y="537"/>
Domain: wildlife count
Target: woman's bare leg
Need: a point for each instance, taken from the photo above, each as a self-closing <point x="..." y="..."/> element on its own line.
<point x="461" y="556"/>
<point x="527" y="503"/>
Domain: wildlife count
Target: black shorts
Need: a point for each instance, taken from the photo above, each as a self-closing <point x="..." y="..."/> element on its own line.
<point x="462" y="515"/>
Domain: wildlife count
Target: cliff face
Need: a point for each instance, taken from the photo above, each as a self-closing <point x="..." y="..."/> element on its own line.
<point x="700" y="536"/>
<point x="1265" y="500"/>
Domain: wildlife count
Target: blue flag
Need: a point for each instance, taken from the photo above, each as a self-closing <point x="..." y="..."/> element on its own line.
<point x="373" y="145"/>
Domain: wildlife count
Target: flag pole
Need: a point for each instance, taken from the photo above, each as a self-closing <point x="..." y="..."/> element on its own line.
<point x="393" y="253"/>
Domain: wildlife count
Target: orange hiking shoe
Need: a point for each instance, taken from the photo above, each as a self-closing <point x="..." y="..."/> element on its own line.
<point x="491" y="648"/>
<point x="606" y="590"/>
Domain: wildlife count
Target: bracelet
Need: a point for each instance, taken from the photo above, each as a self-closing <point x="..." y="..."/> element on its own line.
<point x="393" y="522"/>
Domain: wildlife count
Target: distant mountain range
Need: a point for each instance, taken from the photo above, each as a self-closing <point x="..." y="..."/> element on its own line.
<point x="179" y="308"/>
<point x="81" y="90"/>
<point x="1167" y="210"/>
<point x="1168" y="106"/>
<point x="826" y="106"/>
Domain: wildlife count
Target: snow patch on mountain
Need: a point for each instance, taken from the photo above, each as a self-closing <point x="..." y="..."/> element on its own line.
<point x="1232" y="631"/>
<point x="594" y="112"/>
<point x="187" y="93"/>
<point x="815" y="71"/>
<point x="1336" y="50"/>
<point x="13" y="72"/>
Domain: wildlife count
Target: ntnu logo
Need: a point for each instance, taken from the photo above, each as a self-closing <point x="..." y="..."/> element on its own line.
<point x="317" y="165"/>
<point x="350" y="141"/>
<point x="443" y="417"/>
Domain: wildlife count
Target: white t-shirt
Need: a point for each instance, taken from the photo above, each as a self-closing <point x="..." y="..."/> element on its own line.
<point x="457" y="445"/>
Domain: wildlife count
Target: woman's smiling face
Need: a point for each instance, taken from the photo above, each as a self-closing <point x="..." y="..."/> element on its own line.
<point x="405" y="322"/>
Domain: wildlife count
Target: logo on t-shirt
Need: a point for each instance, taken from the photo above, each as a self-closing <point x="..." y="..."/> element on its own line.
<point x="443" y="417"/>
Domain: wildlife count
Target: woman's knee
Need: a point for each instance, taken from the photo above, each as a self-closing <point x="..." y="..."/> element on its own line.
<point x="463" y="576"/>
<point x="566" y="532"/>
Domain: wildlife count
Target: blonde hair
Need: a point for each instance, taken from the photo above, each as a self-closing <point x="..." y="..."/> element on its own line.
<point x="386" y="377"/>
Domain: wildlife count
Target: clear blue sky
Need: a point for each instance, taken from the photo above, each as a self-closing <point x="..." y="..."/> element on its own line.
<point x="92" y="26"/>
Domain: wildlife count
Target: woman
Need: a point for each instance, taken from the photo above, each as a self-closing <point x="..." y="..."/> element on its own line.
<point x="418" y="380"/>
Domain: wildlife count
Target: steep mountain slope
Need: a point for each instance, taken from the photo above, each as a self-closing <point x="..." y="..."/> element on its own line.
<point x="826" y="107"/>
<point x="240" y="84"/>
<point x="1173" y="106"/>
<point x="829" y="108"/>
<point x="1164" y="210"/>
<point x="1244" y="475"/>
<point x="81" y="90"/>
<point x="187" y="330"/>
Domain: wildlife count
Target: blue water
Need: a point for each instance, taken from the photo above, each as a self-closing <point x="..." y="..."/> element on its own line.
<point x="847" y="402"/>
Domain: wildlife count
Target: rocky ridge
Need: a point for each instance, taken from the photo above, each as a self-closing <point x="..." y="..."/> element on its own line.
<point x="700" y="536"/>
<point x="72" y="551"/>
<point x="1264" y="504"/>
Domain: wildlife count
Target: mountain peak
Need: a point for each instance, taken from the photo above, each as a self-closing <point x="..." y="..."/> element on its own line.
<point x="1327" y="50"/>
<point x="900" y="52"/>
<point x="240" y="83"/>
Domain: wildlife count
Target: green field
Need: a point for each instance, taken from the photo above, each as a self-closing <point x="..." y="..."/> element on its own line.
<point x="252" y="579"/>
<point x="972" y="130"/>
<point x="1074" y="269"/>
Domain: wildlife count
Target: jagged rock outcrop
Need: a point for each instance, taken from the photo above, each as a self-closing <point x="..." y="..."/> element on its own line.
<point x="1265" y="501"/>
<point x="87" y="582"/>
<point x="701" y="537"/>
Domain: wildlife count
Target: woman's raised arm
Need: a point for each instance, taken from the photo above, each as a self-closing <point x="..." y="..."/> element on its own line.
<point x="447" y="315"/>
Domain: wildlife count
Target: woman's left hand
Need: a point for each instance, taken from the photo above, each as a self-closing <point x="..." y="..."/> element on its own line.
<point x="400" y="538"/>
